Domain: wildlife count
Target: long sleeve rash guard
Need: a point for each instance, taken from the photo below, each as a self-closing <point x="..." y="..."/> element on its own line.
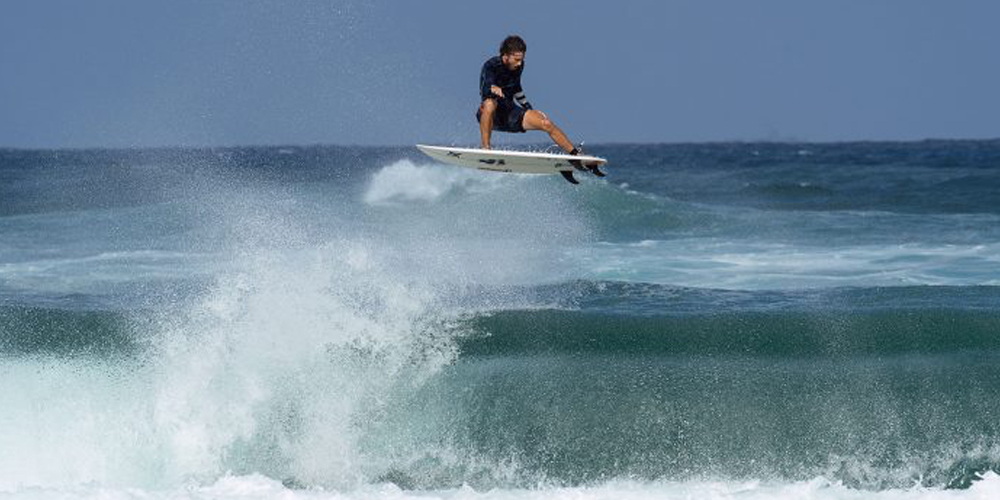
<point x="495" y="73"/>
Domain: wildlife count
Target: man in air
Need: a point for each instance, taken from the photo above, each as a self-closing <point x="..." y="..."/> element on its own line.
<point x="500" y="86"/>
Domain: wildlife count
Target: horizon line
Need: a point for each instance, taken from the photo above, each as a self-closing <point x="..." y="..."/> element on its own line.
<point x="397" y="146"/>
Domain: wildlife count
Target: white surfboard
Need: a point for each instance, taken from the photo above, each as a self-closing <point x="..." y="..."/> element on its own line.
<point x="523" y="162"/>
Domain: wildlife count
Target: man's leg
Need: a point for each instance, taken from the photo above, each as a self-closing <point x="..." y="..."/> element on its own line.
<point x="536" y="120"/>
<point x="486" y="111"/>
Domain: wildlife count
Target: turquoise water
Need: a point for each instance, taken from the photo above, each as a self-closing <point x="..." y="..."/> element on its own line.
<point x="770" y="319"/>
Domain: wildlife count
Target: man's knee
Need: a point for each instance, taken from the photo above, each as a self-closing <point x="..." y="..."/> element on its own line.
<point x="488" y="106"/>
<point x="543" y="121"/>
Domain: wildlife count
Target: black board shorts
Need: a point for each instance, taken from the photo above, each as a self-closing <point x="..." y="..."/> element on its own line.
<point x="508" y="116"/>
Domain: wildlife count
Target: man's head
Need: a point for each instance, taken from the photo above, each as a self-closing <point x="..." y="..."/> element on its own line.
<point x="512" y="52"/>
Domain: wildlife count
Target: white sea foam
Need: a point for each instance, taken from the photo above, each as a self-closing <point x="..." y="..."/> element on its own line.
<point x="254" y="487"/>
<point x="713" y="263"/>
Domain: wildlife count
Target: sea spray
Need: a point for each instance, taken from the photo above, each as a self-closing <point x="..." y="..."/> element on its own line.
<point x="284" y="366"/>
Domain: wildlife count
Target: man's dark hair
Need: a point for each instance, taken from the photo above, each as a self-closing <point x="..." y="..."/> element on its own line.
<point x="512" y="44"/>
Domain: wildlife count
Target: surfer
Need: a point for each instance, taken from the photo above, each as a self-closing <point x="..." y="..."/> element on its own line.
<point x="500" y="87"/>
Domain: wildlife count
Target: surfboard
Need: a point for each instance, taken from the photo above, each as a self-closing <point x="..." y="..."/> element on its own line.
<point x="522" y="162"/>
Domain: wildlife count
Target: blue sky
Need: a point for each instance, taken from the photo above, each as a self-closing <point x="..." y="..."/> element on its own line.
<point x="231" y="72"/>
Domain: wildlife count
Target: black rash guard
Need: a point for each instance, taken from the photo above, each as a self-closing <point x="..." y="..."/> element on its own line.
<point x="495" y="73"/>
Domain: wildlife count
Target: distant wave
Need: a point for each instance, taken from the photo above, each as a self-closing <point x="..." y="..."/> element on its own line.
<point x="750" y="265"/>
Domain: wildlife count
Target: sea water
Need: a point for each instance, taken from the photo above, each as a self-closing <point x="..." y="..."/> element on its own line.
<point x="732" y="320"/>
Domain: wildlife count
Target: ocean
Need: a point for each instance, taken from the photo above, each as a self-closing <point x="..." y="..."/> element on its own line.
<point x="724" y="320"/>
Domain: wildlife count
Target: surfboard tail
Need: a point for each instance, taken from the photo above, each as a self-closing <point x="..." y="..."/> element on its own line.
<point x="568" y="175"/>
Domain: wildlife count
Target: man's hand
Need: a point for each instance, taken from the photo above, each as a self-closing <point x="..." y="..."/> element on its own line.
<point x="496" y="90"/>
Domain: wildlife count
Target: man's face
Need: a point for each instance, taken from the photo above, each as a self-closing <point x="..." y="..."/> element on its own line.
<point x="513" y="60"/>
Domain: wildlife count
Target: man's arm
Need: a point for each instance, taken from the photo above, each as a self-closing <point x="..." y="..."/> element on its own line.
<point x="519" y="92"/>
<point x="487" y="82"/>
<point x="521" y="99"/>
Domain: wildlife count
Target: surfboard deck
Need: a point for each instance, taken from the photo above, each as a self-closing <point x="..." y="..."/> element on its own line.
<point x="523" y="162"/>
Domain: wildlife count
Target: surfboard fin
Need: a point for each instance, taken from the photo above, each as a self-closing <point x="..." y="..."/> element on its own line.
<point x="592" y="168"/>
<point x="568" y="175"/>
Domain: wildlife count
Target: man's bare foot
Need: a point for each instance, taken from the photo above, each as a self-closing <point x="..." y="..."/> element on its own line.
<point x="485" y="146"/>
